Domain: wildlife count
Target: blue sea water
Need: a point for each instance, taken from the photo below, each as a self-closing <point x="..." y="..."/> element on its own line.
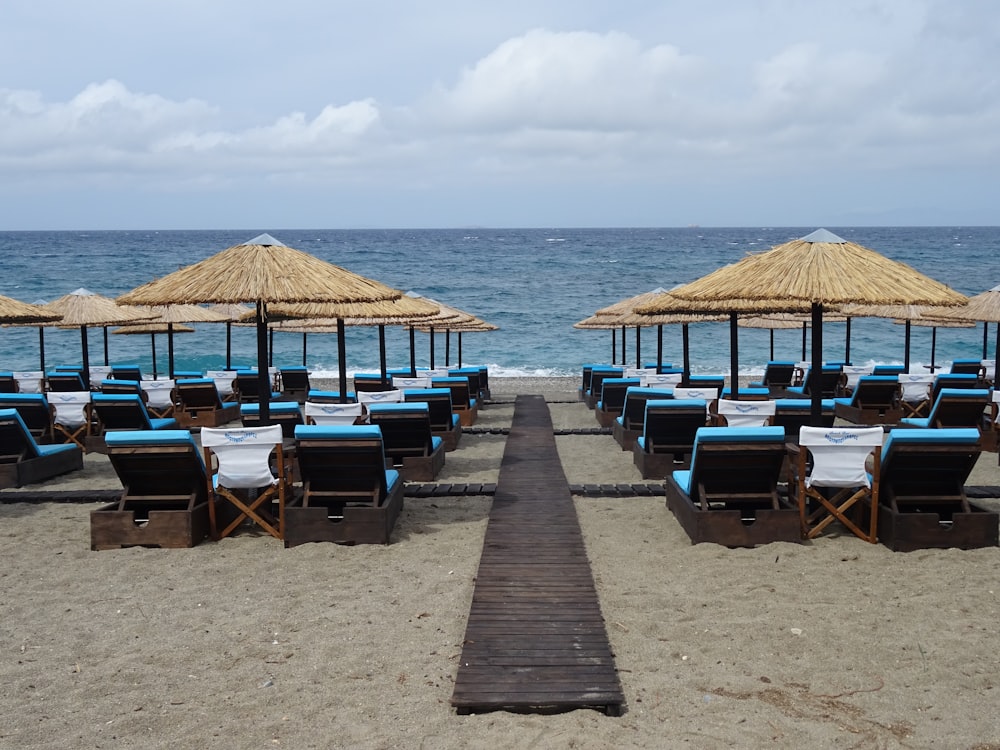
<point x="532" y="283"/>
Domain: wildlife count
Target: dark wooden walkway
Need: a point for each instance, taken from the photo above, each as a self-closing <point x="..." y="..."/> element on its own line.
<point x="535" y="640"/>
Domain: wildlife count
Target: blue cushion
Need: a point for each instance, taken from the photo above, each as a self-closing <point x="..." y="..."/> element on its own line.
<point x="294" y="368"/>
<point x="949" y="435"/>
<point x="148" y="437"/>
<point x="49" y="450"/>
<point x="203" y="381"/>
<point x="23" y="398"/>
<point x="748" y="391"/>
<point x="427" y="392"/>
<point x="275" y="407"/>
<point x="675" y="403"/>
<point x="337" y="432"/>
<point x="404" y="407"/>
<point x="391" y="478"/>
<point x="435" y="443"/>
<point x="683" y="479"/>
<point x="351" y="396"/>
<point x="162" y="423"/>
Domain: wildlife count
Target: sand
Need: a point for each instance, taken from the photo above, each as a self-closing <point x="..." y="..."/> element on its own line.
<point x="244" y="644"/>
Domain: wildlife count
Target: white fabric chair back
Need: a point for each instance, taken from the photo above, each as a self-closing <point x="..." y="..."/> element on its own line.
<point x="400" y="382"/>
<point x="661" y="379"/>
<point x="839" y="454"/>
<point x="29" y="381"/>
<point x="380" y="397"/>
<point x="746" y="413"/>
<point x="223" y="381"/>
<point x="854" y="373"/>
<point x="70" y="407"/>
<point x="158" y="392"/>
<point x="989" y="368"/>
<point x="332" y="413"/>
<point x="99" y="373"/>
<point x="433" y="372"/>
<point x="638" y="372"/>
<point x="915" y="386"/>
<point x="243" y="454"/>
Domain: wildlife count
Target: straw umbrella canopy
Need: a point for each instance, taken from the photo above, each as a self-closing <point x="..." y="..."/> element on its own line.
<point x="169" y="315"/>
<point x="16" y="313"/>
<point x="474" y="326"/>
<point x="907" y="315"/>
<point x="82" y="308"/>
<point x="261" y="272"/>
<point x="787" y="321"/>
<point x="934" y="323"/>
<point x="153" y="328"/>
<point x="445" y="317"/>
<point x="983" y="307"/>
<point x="816" y="272"/>
<point x="231" y="313"/>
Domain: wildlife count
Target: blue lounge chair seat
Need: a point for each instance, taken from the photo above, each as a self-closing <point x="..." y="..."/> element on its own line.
<point x="953" y="407"/>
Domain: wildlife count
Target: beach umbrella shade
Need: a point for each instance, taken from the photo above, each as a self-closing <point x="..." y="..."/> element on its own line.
<point x="152" y="329"/>
<point x="83" y="309"/>
<point x="818" y="272"/>
<point x="627" y="307"/>
<point x="260" y="272"/>
<point x="985" y="308"/>
<point x="16" y="313"/>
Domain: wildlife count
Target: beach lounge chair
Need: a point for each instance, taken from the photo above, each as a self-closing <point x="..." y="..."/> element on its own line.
<point x="915" y="393"/>
<point x="829" y="381"/>
<point x="794" y="413"/>
<point x="777" y="377"/>
<point x="160" y="397"/>
<point x="874" y="400"/>
<point x="445" y="423"/>
<point x="294" y="383"/>
<point x="348" y="495"/>
<point x="371" y="381"/>
<point x="62" y="380"/>
<point x="121" y="386"/>
<point x="922" y="498"/>
<point x="837" y="482"/>
<point x="287" y="414"/>
<point x="72" y="420"/>
<point x="23" y="461"/>
<point x="888" y="370"/>
<point x="333" y="414"/>
<point x="244" y="479"/>
<point x="730" y="495"/>
<point x="585" y="379"/>
<point x="967" y="367"/>
<point x="406" y="382"/>
<point x="628" y="427"/>
<point x="463" y="403"/>
<point x="8" y="383"/>
<point x="613" y="390"/>
<point x="331" y="397"/>
<point x="392" y="396"/>
<point x="125" y="372"/>
<point x="408" y="440"/>
<point x="745" y="413"/>
<point x="849" y="376"/>
<point x="30" y="381"/>
<point x="199" y="404"/>
<point x="947" y="380"/>
<point x="120" y="411"/>
<point x="667" y="439"/>
<point x="597" y="376"/>
<point x="225" y="383"/>
<point x="954" y="407"/>
<point x="474" y="375"/>
<point x="165" y="499"/>
<point x="36" y="412"/>
<point x="246" y="388"/>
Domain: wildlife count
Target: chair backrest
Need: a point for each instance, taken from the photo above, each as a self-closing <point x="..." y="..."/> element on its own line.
<point x="746" y="413"/>
<point x="224" y="380"/>
<point x="159" y="393"/>
<point x="371" y="381"/>
<point x="112" y="385"/>
<point x="341" y="464"/>
<point x="597" y="376"/>
<point x="947" y="380"/>
<point x="158" y="466"/>
<point x="70" y="407"/>
<point x="406" y="428"/>
<point x="853" y="373"/>
<point x="294" y="378"/>
<point x="989" y="370"/>
<point x="959" y="407"/>
<point x="967" y="367"/>
<point x="876" y="391"/>
<point x="779" y="373"/>
<point x="97" y="374"/>
<point x="121" y="411"/>
<point x="65" y="381"/>
<point x="16" y="442"/>
<point x="613" y="393"/>
<point x="380" y="397"/>
<point x="914" y="387"/>
<point x="662" y="380"/>
<point x="461" y="395"/>
<point x="473" y="375"/>
<point x="634" y="408"/>
<point x="34" y="408"/>
<point x="829" y="379"/>
<point x="126" y="372"/>
<point x="30" y="381"/>
<point x="839" y="454"/>
<point x="670" y="425"/>
<point x="737" y="461"/>
<point x="243" y="454"/>
<point x="928" y="464"/>
<point x="688" y="391"/>
<point x="198" y="393"/>
<point x="439" y="407"/>
<point x="332" y="414"/>
<point x="404" y="381"/>
<point x="889" y="370"/>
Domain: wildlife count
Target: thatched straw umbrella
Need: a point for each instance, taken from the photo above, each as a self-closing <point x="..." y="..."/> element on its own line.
<point x="446" y="316"/>
<point x="16" y="313"/>
<point x="983" y="307"/>
<point x="473" y="326"/>
<point x="82" y="308"/>
<point x="262" y="271"/>
<point x="819" y="271"/>
<point x="153" y="328"/>
<point x="907" y="315"/>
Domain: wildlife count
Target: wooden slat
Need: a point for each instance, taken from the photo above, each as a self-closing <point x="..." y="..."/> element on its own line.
<point x="535" y="638"/>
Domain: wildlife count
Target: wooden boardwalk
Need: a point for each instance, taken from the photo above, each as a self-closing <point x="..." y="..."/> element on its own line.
<point x="535" y="640"/>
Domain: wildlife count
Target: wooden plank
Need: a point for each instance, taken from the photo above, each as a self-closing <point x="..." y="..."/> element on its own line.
<point x="535" y="638"/>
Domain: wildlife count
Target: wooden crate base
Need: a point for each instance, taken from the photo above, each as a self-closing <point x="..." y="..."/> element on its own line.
<point x="607" y="418"/>
<point x="872" y="417"/>
<point x="34" y="470"/>
<point x="359" y="525"/>
<point x="423" y="468"/>
<point x="467" y="417"/>
<point x="230" y="412"/>
<point x="111" y="528"/>
<point x="727" y="527"/>
<point x="625" y="438"/>
<point x="906" y="532"/>
<point x="658" y="465"/>
<point x="450" y="438"/>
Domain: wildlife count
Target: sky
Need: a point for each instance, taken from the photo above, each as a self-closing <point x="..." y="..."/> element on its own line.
<point x="195" y="114"/>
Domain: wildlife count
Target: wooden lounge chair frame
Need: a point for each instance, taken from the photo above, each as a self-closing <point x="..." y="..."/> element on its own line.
<point x="36" y="412"/>
<point x="118" y="412"/>
<point x="408" y="441"/>
<point x="667" y="438"/>
<point x="445" y="423"/>
<point x="628" y="427"/>
<point x="463" y="403"/>
<point x="874" y="400"/>
<point x="200" y="404"/>
<point x="612" y="403"/>
<point x="23" y="461"/>
<point x="954" y="407"/>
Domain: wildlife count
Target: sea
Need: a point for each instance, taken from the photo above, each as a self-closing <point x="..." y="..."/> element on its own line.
<point x="533" y="284"/>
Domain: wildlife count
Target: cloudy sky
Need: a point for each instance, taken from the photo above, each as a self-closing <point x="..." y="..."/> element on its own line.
<point x="116" y="114"/>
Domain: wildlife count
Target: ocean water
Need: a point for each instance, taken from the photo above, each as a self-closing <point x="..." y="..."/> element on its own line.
<point x="532" y="283"/>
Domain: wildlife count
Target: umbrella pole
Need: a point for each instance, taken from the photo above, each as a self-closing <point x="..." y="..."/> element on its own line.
<point x="86" y="356"/>
<point x="41" y="349"/>
<point x="614" y="344"/>
<point x="229" y="345"/>
<point x="804" y="327"/>
<point x="659" y="348"/>
<point x="170" y="350"/>
<point x="342" y="360"/>
<point x="263" y="381"/>
<point x="413" y="355"/>
<point x="986" y="330"/>
<point x="638" y="347"/>
<point x="623" y="345"/>
<point x="816" y="367"/>
<point x="906" y="352"/>
<point x="996" y="346"/>
<point x="734" y="357"/>
<point x="105" y="346"/>
<point x="847" y="343"/>
<point x="685" y="342"/>
<point x="447" y="346"/>
<point x="432" y="346"/>
<point x="772" y="343"/>
<point x="270" y="347"/>
<point x="152" y="346"/>
<point x="304" y="348"/>
<point x="933" y="348"/>
<point x="459" y="348"/>
<point x="381" y="352"/>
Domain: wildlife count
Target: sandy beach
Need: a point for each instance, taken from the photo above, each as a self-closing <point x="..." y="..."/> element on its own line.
<point x="244" y="644"/>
